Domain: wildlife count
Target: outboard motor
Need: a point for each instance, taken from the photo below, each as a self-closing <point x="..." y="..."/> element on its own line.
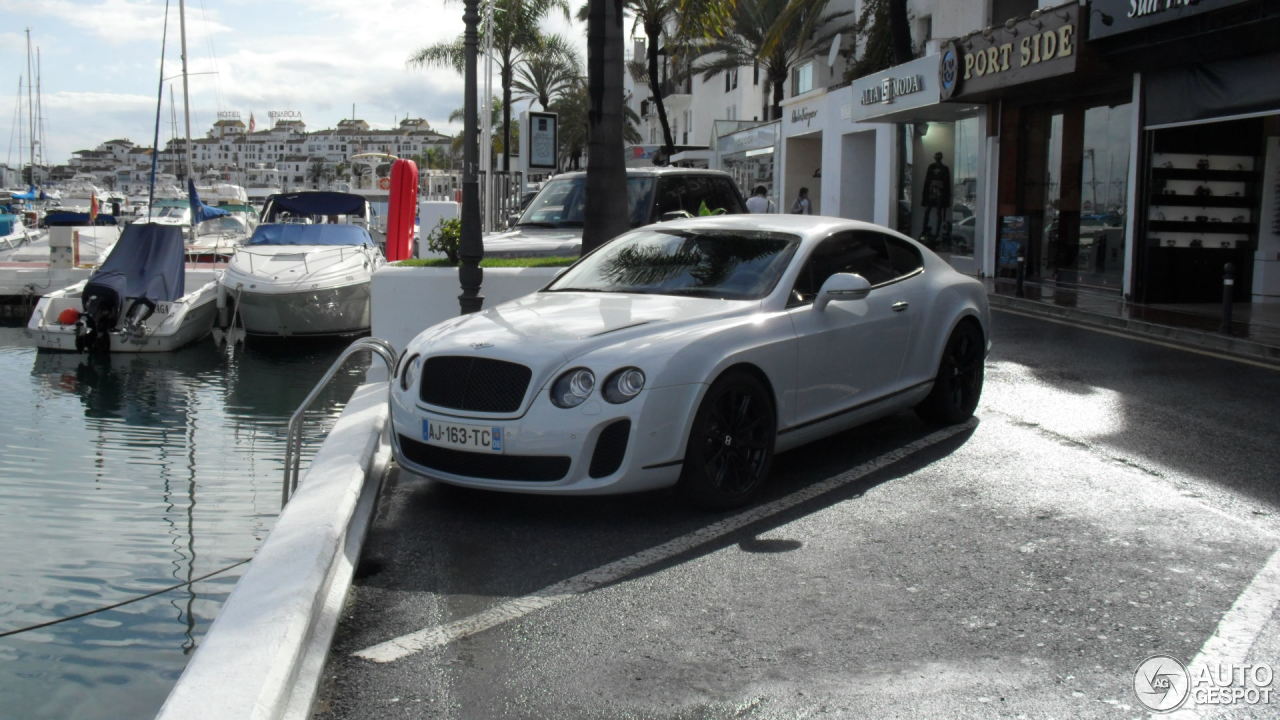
<point x="101" y="313"/>
<point x="139" y="310"/>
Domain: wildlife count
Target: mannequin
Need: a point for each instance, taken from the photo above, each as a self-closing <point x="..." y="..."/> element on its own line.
<point x="936" y="199"/>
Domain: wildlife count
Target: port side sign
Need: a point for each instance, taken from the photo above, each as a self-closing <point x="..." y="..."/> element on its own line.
<point x="1032" y="49"/>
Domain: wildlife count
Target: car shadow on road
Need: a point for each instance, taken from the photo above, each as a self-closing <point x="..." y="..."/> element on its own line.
<point x="477" y="545"/>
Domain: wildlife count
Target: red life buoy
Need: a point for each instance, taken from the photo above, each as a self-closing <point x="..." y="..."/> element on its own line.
<point x="384" y="183"/>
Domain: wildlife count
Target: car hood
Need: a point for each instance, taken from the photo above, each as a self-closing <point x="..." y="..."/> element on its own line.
<point x="533" y="242"/>
<point x="545" y="330"/>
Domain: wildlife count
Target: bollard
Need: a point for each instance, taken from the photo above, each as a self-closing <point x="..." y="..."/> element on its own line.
<point x="1022" y="273"/>
<point x="1228" y="292"/>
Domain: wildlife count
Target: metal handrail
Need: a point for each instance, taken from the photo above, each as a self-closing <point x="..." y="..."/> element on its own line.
<point x="293" y="441"/>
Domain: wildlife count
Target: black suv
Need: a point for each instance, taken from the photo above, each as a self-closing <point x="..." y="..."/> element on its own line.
<point x="552" y="222"/>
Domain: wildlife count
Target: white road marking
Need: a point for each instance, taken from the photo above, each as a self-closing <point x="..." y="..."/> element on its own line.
<point x="1140" y="338"/>
<point x="441" y="635"/>
<point x="1238" y="630"/>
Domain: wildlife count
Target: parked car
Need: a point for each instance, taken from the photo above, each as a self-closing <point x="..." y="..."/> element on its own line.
<point x="687" y="353"/>
<point x="551" y="224"/>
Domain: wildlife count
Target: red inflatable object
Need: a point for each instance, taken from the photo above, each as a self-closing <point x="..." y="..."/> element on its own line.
<point x="68" y="316"/>
<point x="402" y="208"/>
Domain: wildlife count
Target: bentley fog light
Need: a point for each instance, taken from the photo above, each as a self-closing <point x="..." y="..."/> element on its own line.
<point x="623" y="385"/>
<point x="409" y="374"/>
<point x="573" y="388"/>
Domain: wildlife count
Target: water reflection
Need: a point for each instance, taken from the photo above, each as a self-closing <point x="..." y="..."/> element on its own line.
<point x="126" y="476"/>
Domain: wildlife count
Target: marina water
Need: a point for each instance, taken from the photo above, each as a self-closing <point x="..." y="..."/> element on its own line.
<point x="128" y="476"/>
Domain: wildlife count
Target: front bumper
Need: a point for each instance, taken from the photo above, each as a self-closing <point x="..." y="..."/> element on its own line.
<point x="595" y="448"/>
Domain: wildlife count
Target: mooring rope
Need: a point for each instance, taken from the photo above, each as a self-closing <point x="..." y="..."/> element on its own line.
<point x="122" y="603"/>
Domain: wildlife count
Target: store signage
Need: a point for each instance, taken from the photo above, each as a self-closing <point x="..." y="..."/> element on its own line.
<point x="1035" y="48"/>
<point x="802" y="114"/>
<point x="284" y="115"/>
<point x="895" y="92"/>
<point x="892" y="87"/>
<point x="1113" y="17"/>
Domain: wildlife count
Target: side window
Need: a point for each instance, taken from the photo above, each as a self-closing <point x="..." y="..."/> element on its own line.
<point x="667" y="198"/>
<point x="864" y="253"/>
<point x="725" y="195"/>
<point x="904" y="256"/>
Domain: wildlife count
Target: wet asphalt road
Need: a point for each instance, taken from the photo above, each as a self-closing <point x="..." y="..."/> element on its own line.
<point x="1112" y="501"/>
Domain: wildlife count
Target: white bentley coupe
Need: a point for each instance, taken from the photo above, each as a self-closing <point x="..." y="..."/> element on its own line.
<point x="689" y="352"/>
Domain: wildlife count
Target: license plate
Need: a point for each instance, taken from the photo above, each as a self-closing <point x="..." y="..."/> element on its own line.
<point x="475" y="438"/>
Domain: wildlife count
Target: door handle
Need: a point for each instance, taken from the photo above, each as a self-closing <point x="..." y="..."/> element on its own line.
<point x="900" y="306"/>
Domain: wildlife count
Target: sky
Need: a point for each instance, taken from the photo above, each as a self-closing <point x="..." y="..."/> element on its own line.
<point x="100" y="65"/>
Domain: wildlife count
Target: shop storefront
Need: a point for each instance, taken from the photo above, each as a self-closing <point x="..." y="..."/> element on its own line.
<point x="749" y="152"/>
<point x="1063" y="125"/>
<point x="936" y="155"/>
<point x="803" y="121"/>
<point x="1209" y="137"/>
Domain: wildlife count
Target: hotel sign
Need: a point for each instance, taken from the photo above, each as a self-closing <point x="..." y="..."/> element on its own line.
<point x="228" y="114"/>
<point x="892" y="87"/>
<point x="1036" y="48"/>
<point x="284" y="115"/>
<point x="1113" y="17"/>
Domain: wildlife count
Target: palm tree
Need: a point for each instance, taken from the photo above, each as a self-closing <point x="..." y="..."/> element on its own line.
<point x="571" y="106"/>
<point x="547" y="71"/>
<point x="654" y="16"/>
<point x="775" y="34"/>
<point x="497" y="116"/>
<point x="515" y="32"/>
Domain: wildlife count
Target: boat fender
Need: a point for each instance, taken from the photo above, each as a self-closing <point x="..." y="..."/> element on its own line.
<point x="68" y="316"/>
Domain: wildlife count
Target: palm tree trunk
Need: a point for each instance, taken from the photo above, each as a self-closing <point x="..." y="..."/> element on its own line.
<point x="778" y="81"/>
<point x="506" y="116"/>
<point x="606" y="174"/>
<point x="900" y="31"/>
<point x="653" y="31"/>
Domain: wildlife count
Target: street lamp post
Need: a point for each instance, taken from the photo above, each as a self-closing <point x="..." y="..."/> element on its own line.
<point x="471" y="247"/>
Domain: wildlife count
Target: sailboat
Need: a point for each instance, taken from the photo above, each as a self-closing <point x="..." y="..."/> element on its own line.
<point x="137" y="300"/>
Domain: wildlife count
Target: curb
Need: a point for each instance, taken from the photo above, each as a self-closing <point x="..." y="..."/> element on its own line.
<point x="264" y="653"/>
<point x="1185" y="337"/>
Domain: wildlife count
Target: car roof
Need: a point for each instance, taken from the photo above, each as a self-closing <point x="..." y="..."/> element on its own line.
<point x="654" y="170"/>
<point x="810" y="228"/>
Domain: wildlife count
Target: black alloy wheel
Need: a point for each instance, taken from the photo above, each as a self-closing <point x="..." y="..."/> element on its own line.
<point x="958" y="385"/>
<point x="731" y="443"/>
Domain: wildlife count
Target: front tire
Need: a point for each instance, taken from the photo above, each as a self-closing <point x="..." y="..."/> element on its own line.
<point x="730" y="444"/>
<point x="958" y="384"/>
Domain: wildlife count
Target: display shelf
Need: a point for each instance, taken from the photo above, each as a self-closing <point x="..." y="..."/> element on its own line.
<point x="1211" y="201"/>
<point x="1204" y="228"/>
<point x="1205" y="175"/>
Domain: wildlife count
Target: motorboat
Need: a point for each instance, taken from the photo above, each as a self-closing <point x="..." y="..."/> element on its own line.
<point x="136" y="301"/>
<point x="217" y="238"/>
<point x="306" y="270"/>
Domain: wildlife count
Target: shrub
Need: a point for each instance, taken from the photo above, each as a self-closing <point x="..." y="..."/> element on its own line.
<point x="445" y="237"/>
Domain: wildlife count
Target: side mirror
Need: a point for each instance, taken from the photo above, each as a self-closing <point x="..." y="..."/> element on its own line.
<point x="841" y="286"/>
<point x="512" y="219"/>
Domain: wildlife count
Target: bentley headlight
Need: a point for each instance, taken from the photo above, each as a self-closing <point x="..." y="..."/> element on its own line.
<point x="573" y="388"/>
<point x="409" y="374"/>
<point x="623" y="385"/>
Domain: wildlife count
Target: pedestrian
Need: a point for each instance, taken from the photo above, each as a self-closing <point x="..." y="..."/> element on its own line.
<point x="802" y="206"/>
<point x="759" y="201"/>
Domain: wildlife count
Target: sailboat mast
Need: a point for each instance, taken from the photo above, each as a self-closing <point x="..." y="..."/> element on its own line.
<point x="31" y="112"/>
<point x="186" y="100"/>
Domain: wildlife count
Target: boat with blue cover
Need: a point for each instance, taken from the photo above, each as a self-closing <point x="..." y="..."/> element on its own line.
<point x="136" y="301"/>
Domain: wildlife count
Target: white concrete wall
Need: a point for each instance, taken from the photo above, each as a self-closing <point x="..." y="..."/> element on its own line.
<point x="408" y="300"/>
<point x="262" y="657"/>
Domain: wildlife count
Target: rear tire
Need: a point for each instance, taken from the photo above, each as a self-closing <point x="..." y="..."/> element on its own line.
<point x="731" y="443"/>
<point x="958" y="384"/>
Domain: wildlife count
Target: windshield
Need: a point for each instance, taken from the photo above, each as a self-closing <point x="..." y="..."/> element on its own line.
<point x="220" y="226"/>
<point x="732" y="265"/>
<point x="169" y="211"/>
<point x="562" y="202"/>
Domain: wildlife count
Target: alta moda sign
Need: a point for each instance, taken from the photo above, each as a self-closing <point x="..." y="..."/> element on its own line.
<point x="892" y="87"/>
